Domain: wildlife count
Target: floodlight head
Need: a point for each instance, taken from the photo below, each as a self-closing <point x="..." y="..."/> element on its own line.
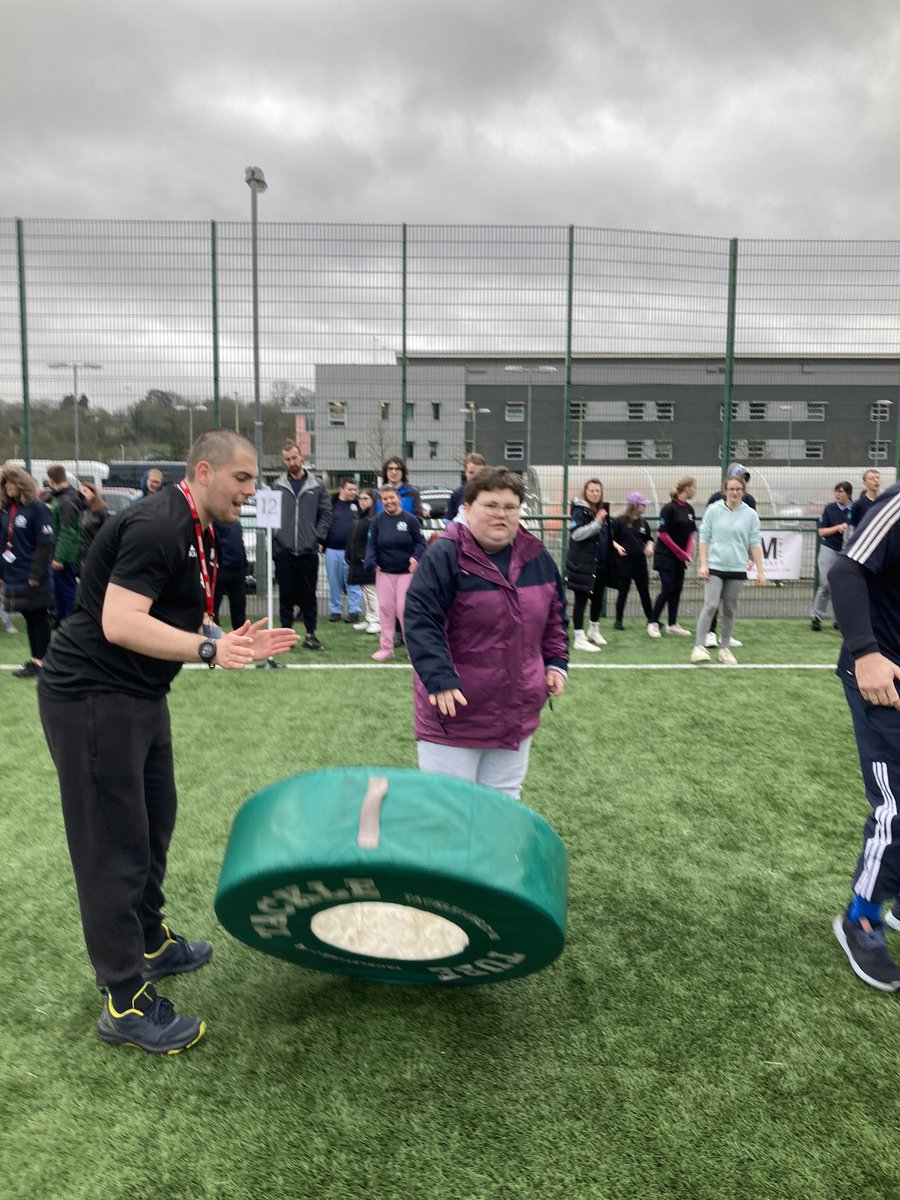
<point x="255" y="178"/>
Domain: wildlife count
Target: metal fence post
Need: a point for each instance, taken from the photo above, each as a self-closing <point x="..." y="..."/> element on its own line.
<point x="23" y="345"/>
<point x="214" y="287"/>
<point x="729" y="353"/>
<point x="404" y="298"/>
<point x="567" y="391"/>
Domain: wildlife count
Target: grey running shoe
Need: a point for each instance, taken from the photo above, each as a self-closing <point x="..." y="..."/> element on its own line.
<point x="892" y="916"/>
<point x="868" y="954"/>
<point x="175" y="956"/>
<point x="151" y="1024"/>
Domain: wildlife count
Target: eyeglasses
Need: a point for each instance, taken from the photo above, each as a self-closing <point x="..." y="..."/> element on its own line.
<point x="498" y="510"/>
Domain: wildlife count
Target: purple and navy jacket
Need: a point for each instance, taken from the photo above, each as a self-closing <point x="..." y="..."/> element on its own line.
<point x="469" y="627"/>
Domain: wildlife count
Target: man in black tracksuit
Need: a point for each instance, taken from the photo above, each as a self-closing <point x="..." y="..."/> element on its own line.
<point x="306" y="517"/>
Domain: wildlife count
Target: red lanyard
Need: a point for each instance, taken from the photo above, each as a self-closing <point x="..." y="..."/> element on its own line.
<point x="11" y="527"/>
<point x="207" y="575"/>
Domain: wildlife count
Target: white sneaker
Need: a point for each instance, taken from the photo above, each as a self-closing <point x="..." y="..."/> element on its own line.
<point x="581" y="643"/>
<point x="361" y="625"/>
<point x="734" y="644"/>
<point x="699" y="654"/>
<point x="653" y="630"/>
<point x="711" y="641"/>
<point x="726" y="657"/>
<point x="594" y="635"/>
<point x="373" y="627"/>
<point x="678" y="630"/>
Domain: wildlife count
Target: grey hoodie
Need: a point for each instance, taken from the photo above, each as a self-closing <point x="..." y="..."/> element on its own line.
<point x="305" y="517"/>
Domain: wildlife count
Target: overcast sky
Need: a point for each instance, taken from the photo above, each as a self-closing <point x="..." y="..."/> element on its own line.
<point x="724" y="117"/>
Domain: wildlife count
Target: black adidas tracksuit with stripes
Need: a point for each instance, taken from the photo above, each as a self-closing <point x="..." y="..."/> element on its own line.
<point x="865" y="592"/>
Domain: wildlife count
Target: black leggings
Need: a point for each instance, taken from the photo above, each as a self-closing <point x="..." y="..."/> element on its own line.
<point x="579" y="604"/>
<point x="37" y="626"/>
<point x="633" y="567"/>
<point x="671" y="581"/>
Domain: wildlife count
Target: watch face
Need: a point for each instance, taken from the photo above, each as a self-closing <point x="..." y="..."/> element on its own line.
<point x="207" y="651"/>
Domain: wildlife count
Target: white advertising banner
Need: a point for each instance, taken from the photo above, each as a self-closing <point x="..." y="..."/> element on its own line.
<point x="782" y="551"/>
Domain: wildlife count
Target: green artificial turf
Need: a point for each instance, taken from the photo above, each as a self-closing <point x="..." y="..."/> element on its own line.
<point x="702" y="1035"/>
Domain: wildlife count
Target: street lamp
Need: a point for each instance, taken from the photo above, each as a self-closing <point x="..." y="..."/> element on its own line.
<point x="880" y="405"/>
<point x="789" y="409"/>
<point x="256" y="181"/>
<point x="472" y="409"/>
<point x="189" y="409"/>
<point x="75" y="367"/>
<point x="530" y="372"/>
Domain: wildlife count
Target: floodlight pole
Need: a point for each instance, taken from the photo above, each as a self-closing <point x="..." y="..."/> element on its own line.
<point x="256" y="181"/>
<point x="74" y="368"/>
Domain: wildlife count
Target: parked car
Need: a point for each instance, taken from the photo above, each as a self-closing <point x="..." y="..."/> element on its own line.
<point x="117" y="498"/>
<point x="435" y="501"/>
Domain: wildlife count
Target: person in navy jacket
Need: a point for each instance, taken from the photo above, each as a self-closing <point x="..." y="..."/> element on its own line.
<point x="395" y="545"/>
<point x="26" y="545"/>
<point x="486" y="631"/>
<point x="833" y="525"/>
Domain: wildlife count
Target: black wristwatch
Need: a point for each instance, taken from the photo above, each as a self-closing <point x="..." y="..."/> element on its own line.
<point x="207" y="652"/>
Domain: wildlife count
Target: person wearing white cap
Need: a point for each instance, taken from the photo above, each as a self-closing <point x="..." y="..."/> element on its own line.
<point x="633" y="544"/>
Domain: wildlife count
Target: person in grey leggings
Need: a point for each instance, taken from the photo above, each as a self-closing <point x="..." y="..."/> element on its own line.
<point x="729" y="539"/>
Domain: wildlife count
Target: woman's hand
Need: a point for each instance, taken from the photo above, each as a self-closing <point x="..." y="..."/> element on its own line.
<point x="648" y="550"/>
<point x="413" y="563"/>
<point x="446" y="702"/>
<point x="556" y="681"/>
<point x="620" y="550"/>
<point x="702" y="572"/>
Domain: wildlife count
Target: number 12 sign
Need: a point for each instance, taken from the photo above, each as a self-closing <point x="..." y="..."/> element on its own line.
<point x="268" y="509"/>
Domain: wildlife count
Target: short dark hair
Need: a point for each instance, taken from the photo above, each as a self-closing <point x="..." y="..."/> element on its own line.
<point x="57" y="473"/>
<point x="476" y="459"/>
<point x="845" y="486"/>
<point x="493" y="479"/>
<point x="290" y="444"/>
<point x="400" y="463"/>
<point x="217" y="447"/>
<point x="345" y="479"/>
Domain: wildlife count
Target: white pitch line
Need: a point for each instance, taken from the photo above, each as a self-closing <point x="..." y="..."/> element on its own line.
<point x="696" y="667"/>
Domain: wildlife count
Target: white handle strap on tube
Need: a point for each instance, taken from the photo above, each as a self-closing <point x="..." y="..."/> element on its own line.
<point x="369" y="832"/>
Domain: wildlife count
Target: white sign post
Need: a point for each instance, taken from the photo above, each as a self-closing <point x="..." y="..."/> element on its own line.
<point x="268" y="517"/>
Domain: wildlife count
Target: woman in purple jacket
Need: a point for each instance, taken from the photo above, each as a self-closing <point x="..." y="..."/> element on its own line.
<point x="486" y="634"/>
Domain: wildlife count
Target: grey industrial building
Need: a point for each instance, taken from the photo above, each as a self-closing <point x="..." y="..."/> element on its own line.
<point x="785" y="411"/>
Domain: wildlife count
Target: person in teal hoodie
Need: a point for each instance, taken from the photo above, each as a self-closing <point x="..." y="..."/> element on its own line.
<point x="729" y="539"/>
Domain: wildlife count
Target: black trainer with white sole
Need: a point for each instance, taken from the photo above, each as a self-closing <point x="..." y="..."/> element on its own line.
<point x="868" y="953"/>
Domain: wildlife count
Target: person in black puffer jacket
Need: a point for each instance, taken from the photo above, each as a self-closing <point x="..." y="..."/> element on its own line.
<point x="588" y="562"/>
<point x="355" y="555"/>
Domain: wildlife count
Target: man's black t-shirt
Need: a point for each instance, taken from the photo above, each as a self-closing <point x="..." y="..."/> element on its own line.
<point x="149" y="548"/>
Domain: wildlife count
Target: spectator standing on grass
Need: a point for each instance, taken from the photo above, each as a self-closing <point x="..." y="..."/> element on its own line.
<point x="26" y="551"/>
<point x="633" y="544"/>
<point x="394" y="473"/>
<point x="865" y="592"/>
<point x="145" y="607"/>
<point x="152" y="481"/>
<point x="345" y="510"/>
<point x="475" y="462"/>
<point x="358" y="574"/>
<point x="65" y="510"/>
<point x="395" y="545"/>
<point x="486" y="634"/>
<point x="673" y="554"/>
<point x="231" y="577"/>
<point x="870" y="493"/>
<point x="587" y="562"/>
<point x="735" y="471"/>
<point x="94" y="515"/>
<point x="305" y="522"/>
<point x="833" y="525"/>
<point x="729" y="539"/>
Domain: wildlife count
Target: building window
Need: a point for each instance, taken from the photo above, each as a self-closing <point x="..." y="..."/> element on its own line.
<point x="734" y="411"/>
<point x="578" y="410"/>
<point x="515" y="410"/>
<point x="878" y="451"/>
<point x="636" y="410"/>
<point x="815" y="410"/>
<point x="410" y="410"/>
<point x="514" y="451"/>
<point x="634" y="450"/>
<point x="756" y="449"/>
<point x="337" y="412"/>
<point x="351" y="449"/>
<point x="880" y="411"/>
<point x="385" y="409"/>
<point x="662" y="451"/>
<point x="435" y="412"/>
<point x="432" y="449"/>
<point x="665" y="410"/>
<point x="410" y="450"/>
<point x="469" y="445"/>
<point x="814" y="450"/>
<point x="757" y="410"/>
